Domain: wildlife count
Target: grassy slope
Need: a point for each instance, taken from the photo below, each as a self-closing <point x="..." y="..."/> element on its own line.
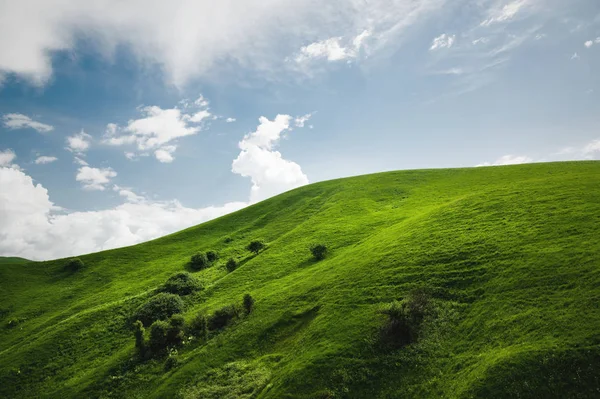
<point x="511" y="253"/>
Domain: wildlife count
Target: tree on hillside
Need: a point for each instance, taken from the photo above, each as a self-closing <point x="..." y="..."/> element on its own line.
<point x="199" y="261"/>
<point x="248" y="303"/>
<point x="256" y="246"/>
<point x="318" y="251"/>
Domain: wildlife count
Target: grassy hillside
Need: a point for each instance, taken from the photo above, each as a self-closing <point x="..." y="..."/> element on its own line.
<point x="12" y="259"/>
<point x="509" y="255"/>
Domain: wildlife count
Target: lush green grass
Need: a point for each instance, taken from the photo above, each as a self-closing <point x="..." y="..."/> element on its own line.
<point x="12" y="259"/>
<point x="511" y="256"/>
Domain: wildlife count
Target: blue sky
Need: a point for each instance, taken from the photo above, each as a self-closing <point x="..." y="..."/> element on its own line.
<point x="122" y="122"/>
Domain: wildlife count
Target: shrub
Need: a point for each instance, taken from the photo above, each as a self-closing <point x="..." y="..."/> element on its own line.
<point x="256" y="246"/>
<point x="318" y="251"/>
<point x="212" y="256"/>
<point x="231" y="265"/>
<point x="222" y="317"/>
<point x="405" y="318"/>
<point x="74" y="265"/>
<point x="175" y="332"/>
<point x="199" y="261"/>
<point x="159" y="307"/>
<point x="158" y="336"/>
<point x="138" y="332"/>
<point x="182" y="283"/>
<point x="248" y="303"/>
<point x="172" y="361"/>
<point x="199" y="326"/>
<point x="227" y="240"/>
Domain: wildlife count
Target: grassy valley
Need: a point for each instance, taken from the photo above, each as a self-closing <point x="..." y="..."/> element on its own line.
<point x="509" y="258"/>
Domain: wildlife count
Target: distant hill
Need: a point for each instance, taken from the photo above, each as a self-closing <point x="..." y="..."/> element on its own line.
<point x="12" y="259"/>
<point x="508" y="257"/>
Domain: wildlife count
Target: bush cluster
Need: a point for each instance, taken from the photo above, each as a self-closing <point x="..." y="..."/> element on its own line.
<point x="231" y="265"/>
<point x="202" y="261"/>
<point x="159" y="307"/>
<point x="222" y="317"/>
<point x="182" y="283"/>
<point x="256" y="246"/>
<point x="405" y="318"/>
<point x="74" y="265"/>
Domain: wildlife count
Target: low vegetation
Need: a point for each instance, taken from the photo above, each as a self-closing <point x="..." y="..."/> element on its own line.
<point x="74" y="265"/>
<point x="159" y="307"/>
<point x="182" y="283"/>
<point x="318" y="251"/>
<point x="256" y="246"/>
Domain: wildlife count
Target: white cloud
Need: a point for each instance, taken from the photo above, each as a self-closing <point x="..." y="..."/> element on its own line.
<point x="509" y="160"/>
<point x="301" y="120"/>
<point x="94" y="178"/>
<point x="32" y="229"/>
<point x="269" y="172"/>
<point x="6" y="157"/>
<point x="128" y="194"/>
<point x="332" y="49"/>
<point x="158" y="127"/>
<point x="442" y="41"/>
<point x="80" y="161"/>
<point x="506" y="12"/>
<point x="187" y="38"/>
<point x="230" y="120"/>
<point x="575" y="56"/>
<point x="592" y="148"/>
<point x="79" y="143"/>
<point x="165" y="154"/>
<point x="20" y="121"/>
<point x="589" y="43"/>
<point x="45" y="159"/>
<point x="481" y="40"/>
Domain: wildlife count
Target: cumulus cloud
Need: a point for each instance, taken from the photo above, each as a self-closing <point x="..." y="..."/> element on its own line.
<point x="158" y="127"/>
<point x="230" y="120"/>
<point x="301" y="120"/>
<point x="190" y="38"/>
<point x="32" y="228"/>
<point x="442" y="41"/>
<point x="270" y="173"/>
<point x="94" y="178"/>
<point x="79" y="143"/>
<point x="45" y="159"/>
<point x="590" y="43"/>
<point x="20" y="121"/>
<point x="332" y="49"/>
<point x="6" y="157"/>
<point x="509" y="160"/>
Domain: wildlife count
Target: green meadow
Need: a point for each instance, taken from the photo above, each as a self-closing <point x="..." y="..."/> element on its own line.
<point x="508" y="256"/>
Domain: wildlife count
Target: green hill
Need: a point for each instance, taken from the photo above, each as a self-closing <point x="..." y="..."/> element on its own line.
<point x="510" y="257"/>
<point x="12" y="259"/>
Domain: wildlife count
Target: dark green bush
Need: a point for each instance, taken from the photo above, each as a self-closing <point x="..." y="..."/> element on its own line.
<point x="158" y="336"/>
<point x="231" y="265"/>
<point x="160" y="307"/>
<point x="248" y="303"/>
<point x="199" y="261"/>
<point x="172" y="361"/>
<point x="199" y="326"/>
<point x="212" y="256"/>
<point x="318" y="251"/>
<point x="175" y="333"/>
<point x="405" y="318"/>
<point x="182" y="283"/>
<point x="256" y="246"/>
<point x="227" y="240"/>
<point x="74" y="265"/>
<point x="222" y="317"/>
<point x="138" y="332"/>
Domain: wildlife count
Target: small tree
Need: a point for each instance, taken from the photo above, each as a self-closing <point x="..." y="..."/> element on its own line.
<point x="318" y="251"/>
<point x="212" y="256"/>
<point x="175" y="332"/>
<point x="199" y="261"/>
<point x="248" y="303"/>
<point x="159" y="307"/>
<point x="405" y="318"/>
<point x="159" y="336"/>
<point x="231" y="265"/>
<point x="74" y="265"/>
<point x="222" y="317"/>
<point x="199" y="326"/>
<point x="256" y="246"/>
<point x="138" y="332"/>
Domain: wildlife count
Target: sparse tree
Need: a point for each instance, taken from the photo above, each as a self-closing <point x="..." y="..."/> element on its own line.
<point x="199" y="261"/>
<point x="74" y="265"/>
<point x="200" y="326"/>
<point x="256" y="246"/>
<point x="318" y="251"/>
<point x="212" y="256"/>
<point x="231" y="265"/>
<point x="248" y="303"/>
